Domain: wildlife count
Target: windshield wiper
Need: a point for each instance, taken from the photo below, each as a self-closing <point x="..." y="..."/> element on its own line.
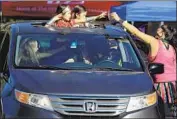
<point x="61" y="68"/>
<point x="113" y="69"/>
<point x="49" y="67"/>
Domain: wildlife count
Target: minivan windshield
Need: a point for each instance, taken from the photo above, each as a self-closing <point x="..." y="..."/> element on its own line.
<point x="75" y="51"/>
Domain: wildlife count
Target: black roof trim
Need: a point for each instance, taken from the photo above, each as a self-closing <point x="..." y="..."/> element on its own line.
<point x="6" y="26"/>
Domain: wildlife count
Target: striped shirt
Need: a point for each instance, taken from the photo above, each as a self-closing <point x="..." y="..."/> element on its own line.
<point x="62" y="23"/>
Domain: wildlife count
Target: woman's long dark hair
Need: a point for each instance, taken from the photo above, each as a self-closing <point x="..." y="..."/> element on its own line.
<point x="26" y="51"/>
<point x="170" y="35"/>
<point x="77" y="10"/>
<point x="61" y="8"/>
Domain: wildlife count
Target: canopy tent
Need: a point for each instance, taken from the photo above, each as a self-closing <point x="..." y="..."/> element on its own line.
<point x="147" y="11"/>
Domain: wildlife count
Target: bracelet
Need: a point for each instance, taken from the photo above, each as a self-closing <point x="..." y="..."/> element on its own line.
<point x="121" y="21"/>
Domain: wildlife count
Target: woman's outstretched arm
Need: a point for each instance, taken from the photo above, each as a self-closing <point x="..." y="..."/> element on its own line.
<point x="93" y="18"/>
<point x="142" y="36"/>
<point x="50" y="53"/>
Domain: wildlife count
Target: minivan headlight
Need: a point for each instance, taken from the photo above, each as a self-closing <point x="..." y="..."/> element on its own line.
<point x="41" y="101"/>
<point x="140" y="102"/>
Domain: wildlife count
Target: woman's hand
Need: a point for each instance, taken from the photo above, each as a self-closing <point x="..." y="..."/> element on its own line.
<point x="115" y="16"/>
<point x="150" y="40"/>
<point x="102" y="15"/>
<point x="53" y="20"/>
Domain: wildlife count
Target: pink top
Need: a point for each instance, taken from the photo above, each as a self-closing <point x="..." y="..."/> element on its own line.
<point x="168" y="58"/>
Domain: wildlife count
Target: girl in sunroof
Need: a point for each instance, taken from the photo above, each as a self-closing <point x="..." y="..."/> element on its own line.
<point x="67" y="18"/>
<point x="80" y="12"/>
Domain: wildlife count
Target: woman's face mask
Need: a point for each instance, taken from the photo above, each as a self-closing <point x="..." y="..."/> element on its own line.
<point x="160" y="32"/>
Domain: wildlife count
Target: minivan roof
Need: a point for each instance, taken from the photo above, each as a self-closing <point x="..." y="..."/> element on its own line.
<point x="39" y="28"/>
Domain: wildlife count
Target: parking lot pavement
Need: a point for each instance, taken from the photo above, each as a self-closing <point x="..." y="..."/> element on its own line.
<point x="170" y="117"/>
<point x="169" y="114"/>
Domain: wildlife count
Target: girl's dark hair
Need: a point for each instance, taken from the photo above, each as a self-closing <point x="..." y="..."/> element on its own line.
<point x="170" y="35"/>
<point x="78" y="9"/>
<point x="61" y="8"/>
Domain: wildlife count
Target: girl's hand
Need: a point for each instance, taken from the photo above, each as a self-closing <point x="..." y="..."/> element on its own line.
<point x="115" y="16"/>
<point x="57" y="17"/>
<point x="102" y="15"/>
<point x="53" y="20"/>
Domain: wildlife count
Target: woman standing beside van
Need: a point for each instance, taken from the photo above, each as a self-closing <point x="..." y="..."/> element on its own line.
<point x="162" y="50"/>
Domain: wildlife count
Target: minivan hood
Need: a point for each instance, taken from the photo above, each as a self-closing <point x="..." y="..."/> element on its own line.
<point x="82" y="82"/>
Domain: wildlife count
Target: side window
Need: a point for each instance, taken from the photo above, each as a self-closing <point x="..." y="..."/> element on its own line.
<point x="4" y="48"/>
<point x="130" y="59"/>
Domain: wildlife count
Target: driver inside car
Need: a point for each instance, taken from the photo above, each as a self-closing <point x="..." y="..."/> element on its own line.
<point x="74" y="59"/>
<point x="80" y="54"/>
<point x="115" y="54"/>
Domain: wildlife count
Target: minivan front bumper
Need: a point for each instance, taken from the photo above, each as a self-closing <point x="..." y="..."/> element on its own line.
<point x="26" y="111"/>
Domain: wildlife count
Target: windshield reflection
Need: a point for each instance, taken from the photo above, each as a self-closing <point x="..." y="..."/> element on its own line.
<point x="75" y="51"/>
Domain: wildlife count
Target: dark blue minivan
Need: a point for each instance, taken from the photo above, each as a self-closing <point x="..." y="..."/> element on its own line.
<point x="95" y="73"/>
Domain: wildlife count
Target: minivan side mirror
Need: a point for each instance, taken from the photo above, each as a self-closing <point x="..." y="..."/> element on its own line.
<point x="1" y="75"/>
<point x="4" y="76"/>
<point x="156" y="68"/>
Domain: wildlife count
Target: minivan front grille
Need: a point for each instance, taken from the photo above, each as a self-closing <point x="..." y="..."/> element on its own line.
<point x="89" y="105"/>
